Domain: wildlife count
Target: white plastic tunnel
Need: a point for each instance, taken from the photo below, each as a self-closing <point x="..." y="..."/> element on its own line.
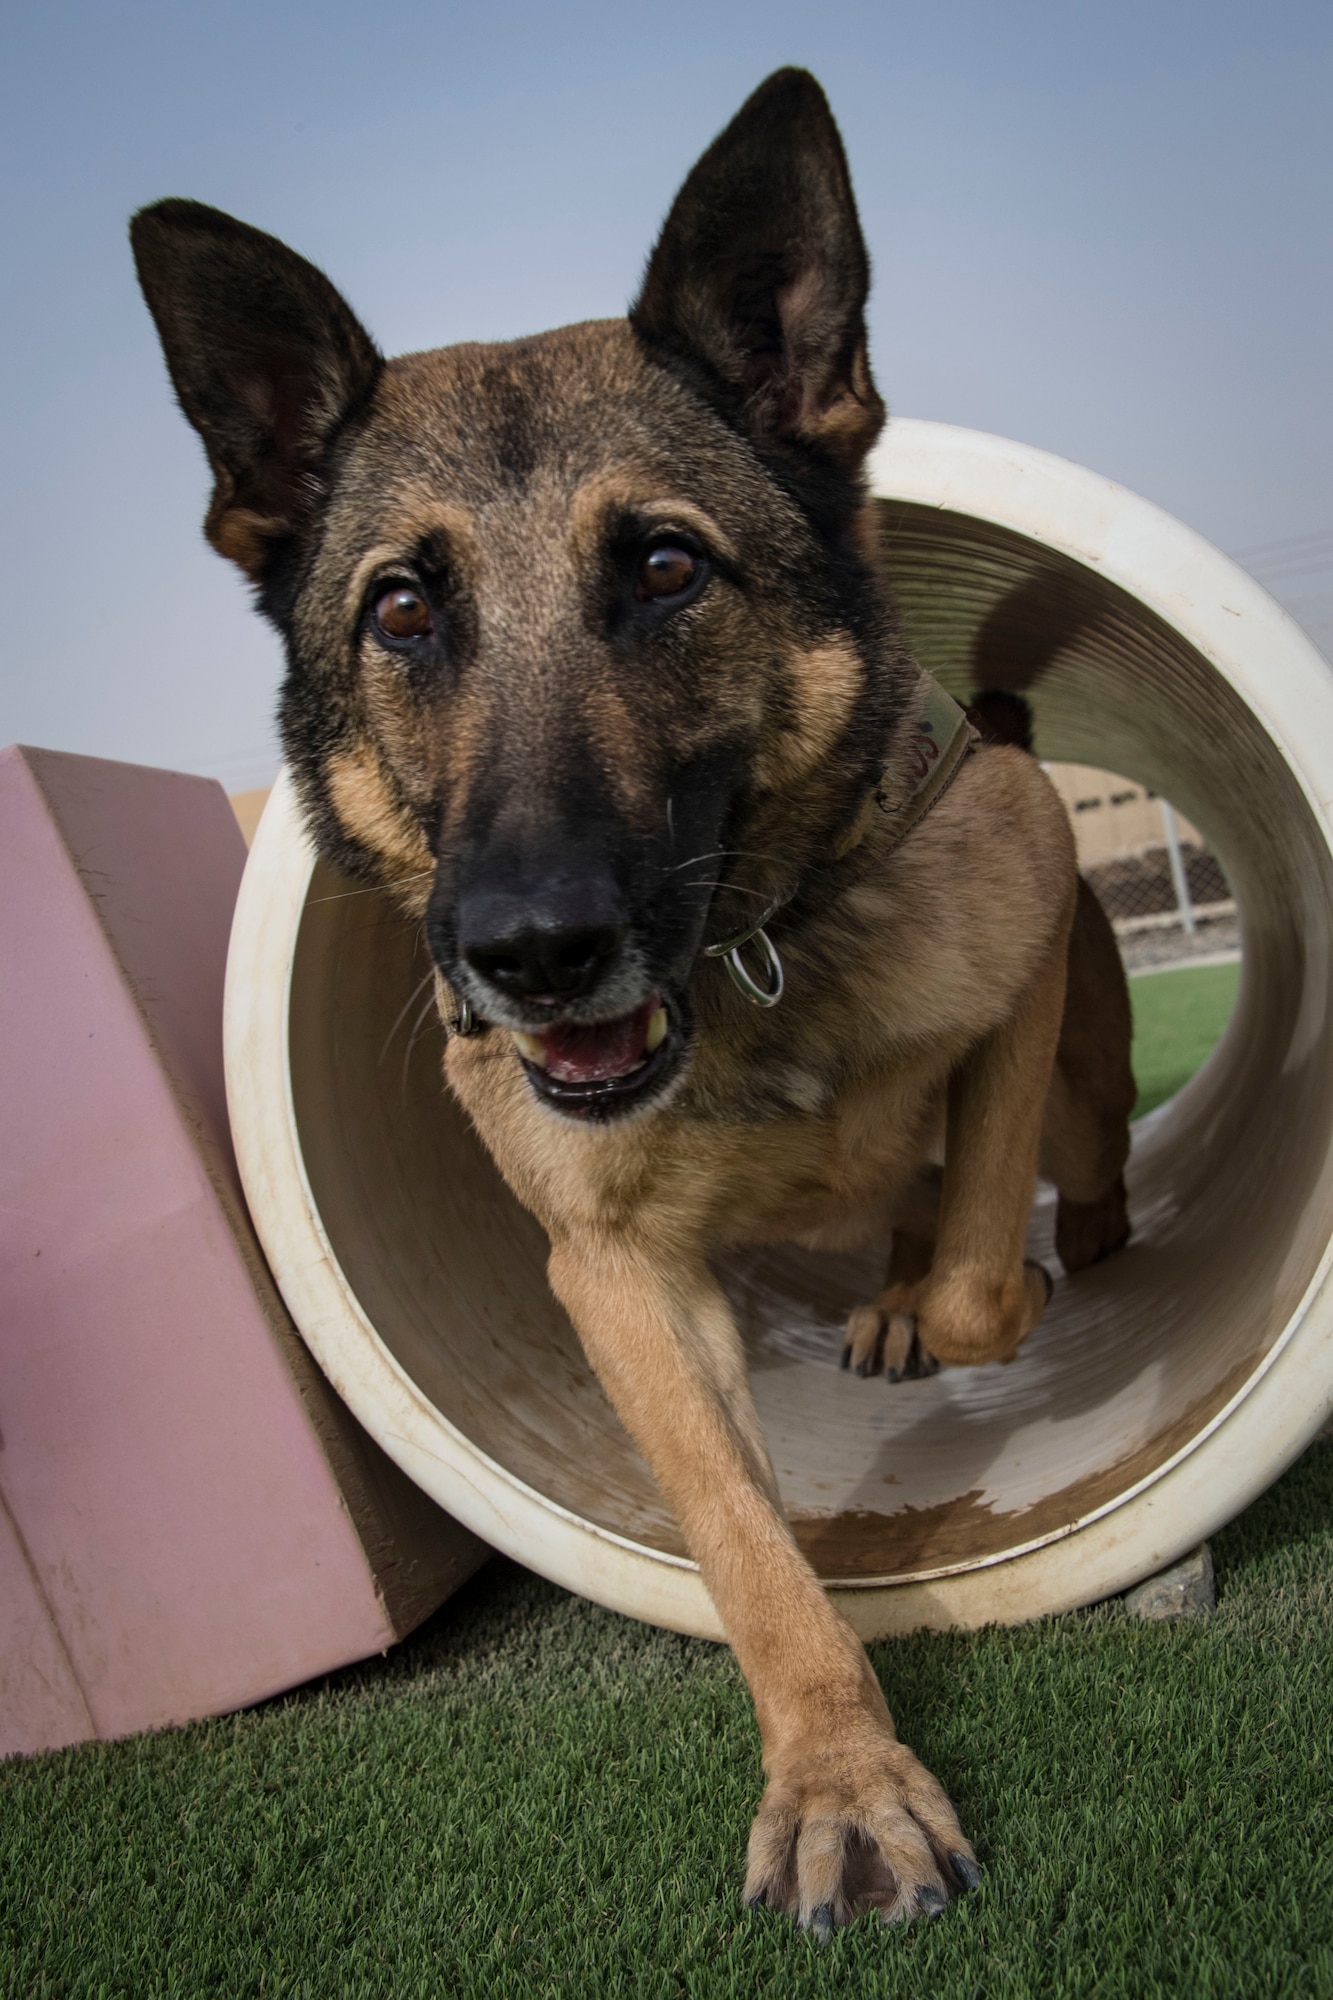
<point x="1162" y="1390"/>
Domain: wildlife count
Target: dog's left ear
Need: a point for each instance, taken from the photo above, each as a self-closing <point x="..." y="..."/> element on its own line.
<point x="760" y="276"/>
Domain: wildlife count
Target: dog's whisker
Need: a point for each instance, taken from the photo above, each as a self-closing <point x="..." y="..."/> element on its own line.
<point x="372" y="889"/>
<point x="417" y="1028"/>
<point x="404" y="1009"/>
<point x="720" y="854"/>
<point x="739" y="888"/>
<point x="676" y="866"/>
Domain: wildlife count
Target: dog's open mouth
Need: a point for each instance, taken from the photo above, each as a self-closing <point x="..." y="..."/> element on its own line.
<point x="595" y="1069"/>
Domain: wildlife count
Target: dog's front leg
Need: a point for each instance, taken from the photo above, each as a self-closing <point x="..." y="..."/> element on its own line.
<point x="849" y="1820"/>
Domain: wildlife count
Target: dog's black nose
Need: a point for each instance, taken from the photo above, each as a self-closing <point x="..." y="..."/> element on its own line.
<point x="555" y="944"/>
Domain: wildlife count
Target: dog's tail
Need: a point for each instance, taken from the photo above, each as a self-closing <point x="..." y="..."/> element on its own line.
<point x="1002" y="717"/>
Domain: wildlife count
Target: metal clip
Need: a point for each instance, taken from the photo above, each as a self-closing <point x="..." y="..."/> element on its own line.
<point x="459" y="1018"/>
<point x="731" y="948"/>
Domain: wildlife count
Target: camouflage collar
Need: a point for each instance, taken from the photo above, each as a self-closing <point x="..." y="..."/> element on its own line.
<point x="943" y="738"/>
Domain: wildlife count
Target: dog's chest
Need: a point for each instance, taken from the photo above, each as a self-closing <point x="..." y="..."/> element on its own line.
<point x="711" y="1182"/>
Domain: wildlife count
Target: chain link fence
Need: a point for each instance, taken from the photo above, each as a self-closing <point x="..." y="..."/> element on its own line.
<point x="1164" y="890"/>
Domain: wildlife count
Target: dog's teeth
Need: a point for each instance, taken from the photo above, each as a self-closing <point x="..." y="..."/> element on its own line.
<point x="530" y="1046"/>
<point x="657" y="1028"/>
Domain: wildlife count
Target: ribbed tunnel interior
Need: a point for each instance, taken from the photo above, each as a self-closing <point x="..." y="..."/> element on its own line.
<point x="1231" y="1183"/>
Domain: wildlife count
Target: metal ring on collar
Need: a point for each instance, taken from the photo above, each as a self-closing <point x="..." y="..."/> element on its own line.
<point x="455" y="1012"/>
<point x="763" y="996"/>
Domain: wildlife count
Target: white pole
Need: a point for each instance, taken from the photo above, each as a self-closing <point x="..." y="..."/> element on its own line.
<point x="1178" y="880"/>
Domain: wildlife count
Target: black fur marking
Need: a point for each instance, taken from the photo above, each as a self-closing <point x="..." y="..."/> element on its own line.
<point x="756" y="290"/>
<point x="267" y="360"/>
<point x="514" y="427"/>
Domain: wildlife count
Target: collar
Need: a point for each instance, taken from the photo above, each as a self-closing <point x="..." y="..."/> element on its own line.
<point x="942" y="738"/>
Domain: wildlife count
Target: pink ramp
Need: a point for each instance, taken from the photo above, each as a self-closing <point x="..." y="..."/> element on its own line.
<point x="189" y="1518"/>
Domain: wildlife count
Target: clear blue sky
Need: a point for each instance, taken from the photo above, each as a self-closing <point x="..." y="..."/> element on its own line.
<point x="1101" y="229"/>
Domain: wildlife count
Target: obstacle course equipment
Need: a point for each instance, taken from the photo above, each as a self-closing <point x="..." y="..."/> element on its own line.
<point x="189" y="1519"/>
<point x="1162" y="1390"/>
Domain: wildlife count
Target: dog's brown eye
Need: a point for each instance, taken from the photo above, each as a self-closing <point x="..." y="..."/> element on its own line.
<point x="665" y="571"/>
<point x="403" y="613"/>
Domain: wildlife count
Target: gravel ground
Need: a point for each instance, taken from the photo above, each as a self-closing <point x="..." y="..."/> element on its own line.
<point x="1216" y="939"/>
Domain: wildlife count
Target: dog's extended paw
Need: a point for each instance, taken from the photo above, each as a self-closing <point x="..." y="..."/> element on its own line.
<point x="838" y="1834"/>
<point x="884" y="1337"/>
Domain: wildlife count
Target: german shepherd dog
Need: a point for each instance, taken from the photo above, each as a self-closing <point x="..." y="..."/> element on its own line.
<point x="590" y="668"/>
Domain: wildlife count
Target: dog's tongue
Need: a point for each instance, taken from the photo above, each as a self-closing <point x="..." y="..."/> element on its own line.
<point x="579" y="1053"/>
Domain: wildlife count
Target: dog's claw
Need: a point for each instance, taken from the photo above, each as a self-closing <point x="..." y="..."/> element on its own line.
<point x="884" y="1335"/>
<point x="966" y="1869"/>
<point x="1031" y="1264"/>
<point x="879" y="1845"/>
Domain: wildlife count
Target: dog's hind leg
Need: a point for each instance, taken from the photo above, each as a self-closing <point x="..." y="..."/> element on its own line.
<point x="981" y="1299"/>
<point x="849" y="1820"/>
<point x="1085" y="1138"/>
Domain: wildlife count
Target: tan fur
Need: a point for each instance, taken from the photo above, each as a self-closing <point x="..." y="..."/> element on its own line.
<point x="574" y="767"/>
<point x="635" y="488"/>
<point x="826" y="681"/>
<point x="243" y="536"/>
<point x="944" y="960"/>
<point x="363" y="801"/>
<point x="943" y="1016"/>
<point x="956" y="973"/>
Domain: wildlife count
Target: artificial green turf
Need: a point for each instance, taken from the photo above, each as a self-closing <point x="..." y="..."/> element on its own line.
<point x="1178" y="1017"/>
<point x="535" y="1797"/>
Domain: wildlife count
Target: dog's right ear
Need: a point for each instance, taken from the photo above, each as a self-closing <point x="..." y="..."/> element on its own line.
<point x="267" y="361"/>
<point x="759" y="278"/>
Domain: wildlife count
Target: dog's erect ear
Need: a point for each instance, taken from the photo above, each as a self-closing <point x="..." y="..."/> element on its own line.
<point x="266" y="359"/>
<point x="761" y="275"/>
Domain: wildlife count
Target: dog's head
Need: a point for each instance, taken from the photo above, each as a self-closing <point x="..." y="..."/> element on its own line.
<point x="587" y="662"/>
